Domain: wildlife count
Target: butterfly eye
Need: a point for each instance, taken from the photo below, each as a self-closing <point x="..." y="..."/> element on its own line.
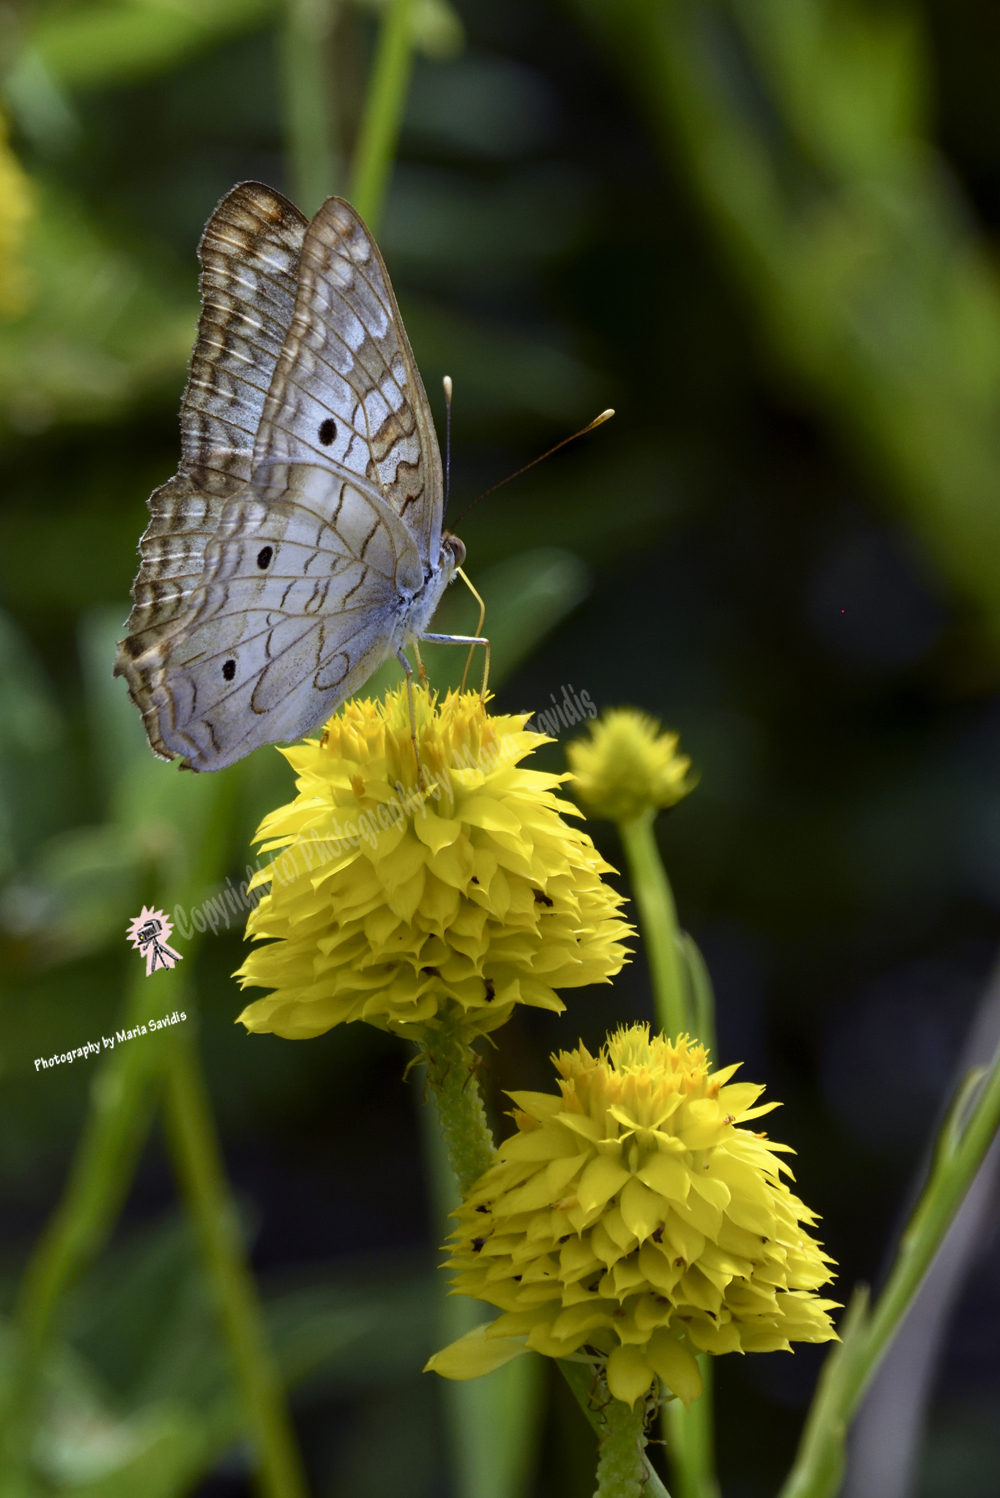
<point x="229" y="670"/>
<point x="328" y="431"/>
<point x="264" y="557"/>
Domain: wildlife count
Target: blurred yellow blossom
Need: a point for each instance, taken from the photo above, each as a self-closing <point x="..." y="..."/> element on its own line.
<point x="16" y="204"/>
<point x="632" y="1216"/>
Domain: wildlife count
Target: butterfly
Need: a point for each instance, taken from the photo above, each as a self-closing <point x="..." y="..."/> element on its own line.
<point x="300" y="543"/>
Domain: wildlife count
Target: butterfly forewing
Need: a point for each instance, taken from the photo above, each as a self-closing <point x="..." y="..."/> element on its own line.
<point x="249" y="254"/>
<point x="346" y="390"/>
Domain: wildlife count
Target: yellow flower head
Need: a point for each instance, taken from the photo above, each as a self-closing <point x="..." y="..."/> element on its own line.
<point x="412" y="908"/>
<point x="628" y="766"/>
<point x="632" y="1216"/>
<point x="16" y="205"/>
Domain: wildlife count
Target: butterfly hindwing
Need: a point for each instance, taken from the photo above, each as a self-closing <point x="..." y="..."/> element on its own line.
<point x="346" y="390"/>
<point x="298" y="605"/>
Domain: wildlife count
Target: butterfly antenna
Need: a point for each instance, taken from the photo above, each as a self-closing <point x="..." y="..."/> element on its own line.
<point x="446" y="382"/>
<point x="597" y="421"/>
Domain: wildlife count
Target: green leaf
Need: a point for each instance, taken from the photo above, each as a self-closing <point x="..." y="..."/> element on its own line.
<point x="102" y="331"/>
<point x="95" y="45"/>
<point x="140" y="1398"/>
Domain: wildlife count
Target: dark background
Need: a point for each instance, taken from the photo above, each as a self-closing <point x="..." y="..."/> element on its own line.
<point x="749" y="567"/>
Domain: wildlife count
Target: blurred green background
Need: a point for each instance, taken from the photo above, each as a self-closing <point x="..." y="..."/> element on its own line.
<point x="764" y="234"/>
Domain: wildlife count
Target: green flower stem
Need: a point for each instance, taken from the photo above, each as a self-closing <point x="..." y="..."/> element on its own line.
<point x="493" y="1422"/>
<point x="621" y="1465"/>
<point x="702" y="995"/>
<point x="464" y="1126"/>
<point x="961" y="1146"/>
<point x="383" y="112"/>
<point x="658" y="922"/>
<point x="311" y="135"/>
<point x="197" y="1158"/>
<point x="690" y="1437"/>
<point x="584" y="1385"/>
<point x="469" y="1143"/>
<point x="683" y="1000"/>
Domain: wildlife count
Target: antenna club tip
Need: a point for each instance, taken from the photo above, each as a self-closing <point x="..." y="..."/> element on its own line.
<point x="604" y="416"/>
<point x="446" y="382"/>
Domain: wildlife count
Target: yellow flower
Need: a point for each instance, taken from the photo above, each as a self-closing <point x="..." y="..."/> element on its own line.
<point x="633" y="1217"/>
<point x="15" y="211"/>
<point x="628" y="766"/>
<point x="414" y="909"/>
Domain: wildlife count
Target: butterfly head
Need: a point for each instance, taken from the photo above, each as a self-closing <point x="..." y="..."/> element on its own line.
<point x="451" y="544"/>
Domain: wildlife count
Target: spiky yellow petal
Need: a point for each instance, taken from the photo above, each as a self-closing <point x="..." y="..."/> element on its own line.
<point x="635" y="1217"/>
<point x="409" y="907"/>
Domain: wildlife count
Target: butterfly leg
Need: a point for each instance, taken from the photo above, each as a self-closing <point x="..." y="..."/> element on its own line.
<point x="420" y="665"/>
<point x="401" y="657"/>
<point x="471" y="640"/>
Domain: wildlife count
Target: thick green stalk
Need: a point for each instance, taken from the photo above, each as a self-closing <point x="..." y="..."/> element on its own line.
<point x="590" y="1394"/>
<point x="198" y="1161"/>
<point x="469" y="1144"/>
<point x="383" y="113"/>
<point x="850" y="1367"/>
<point x="690" y="1436"/>
<point x="658" y="923"/>
<point x="311" y="135"/>
<point x="683" y="1001"/>
<point x="621" y="1465"/>
<point x="700" y="991"/>
<point x="819" y="1464"/>
<point x="961" y="1146"/>
<point x="464" y="1126"/>
<point x="493" y="1422"/>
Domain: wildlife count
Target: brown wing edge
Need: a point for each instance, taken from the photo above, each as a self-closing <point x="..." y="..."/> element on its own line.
<point x="185" y="511"/>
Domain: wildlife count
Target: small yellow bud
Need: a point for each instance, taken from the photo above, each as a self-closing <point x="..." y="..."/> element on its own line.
<point x="629" y="766"/>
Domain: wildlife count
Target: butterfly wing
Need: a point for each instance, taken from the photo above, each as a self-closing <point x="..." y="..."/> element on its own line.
<point x="249" y="255"/>
<point x="346" y="392"/>
<point x="299" y="603"/>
